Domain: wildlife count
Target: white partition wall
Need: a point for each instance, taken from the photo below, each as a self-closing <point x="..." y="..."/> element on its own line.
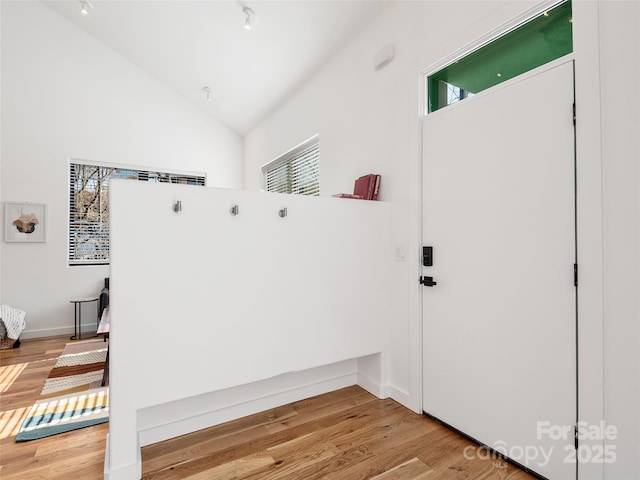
<point x="210" y="308"/>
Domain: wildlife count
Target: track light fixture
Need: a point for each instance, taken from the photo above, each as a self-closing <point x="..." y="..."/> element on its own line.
<point x="207" y="90"/>
<point x="85" y="7"/>
<point x="250" y="18"/>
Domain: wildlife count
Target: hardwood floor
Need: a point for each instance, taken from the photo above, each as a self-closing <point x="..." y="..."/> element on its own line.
<point x="72" y="455"/>
<point x="346" y="434"/>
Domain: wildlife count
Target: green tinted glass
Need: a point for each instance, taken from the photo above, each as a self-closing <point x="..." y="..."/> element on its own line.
<point x="542" y="39"/>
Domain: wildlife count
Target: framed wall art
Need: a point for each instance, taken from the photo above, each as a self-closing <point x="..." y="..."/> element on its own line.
<point x="25" y="222"/>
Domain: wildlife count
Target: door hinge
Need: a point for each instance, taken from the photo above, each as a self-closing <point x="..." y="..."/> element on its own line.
<point x="574" y="114"/>
<point x="575" y="436"/>
<point x="575" y="274"/>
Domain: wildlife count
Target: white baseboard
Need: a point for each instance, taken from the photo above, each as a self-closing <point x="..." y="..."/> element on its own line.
<point x="371" y="386"/>
<point x="130" y="472"/>
<point x="401" y="396"/>
<point x="385" y="391"/>
<point x="54" y="332"/>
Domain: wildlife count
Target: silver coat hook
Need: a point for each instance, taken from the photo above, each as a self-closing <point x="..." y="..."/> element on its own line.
<point x="177" y="207"/>
<point x="235" y="210"/>
<point x="283" y="212"/>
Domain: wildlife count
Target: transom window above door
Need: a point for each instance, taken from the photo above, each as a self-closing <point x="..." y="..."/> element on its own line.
<point x="544" y="38"/>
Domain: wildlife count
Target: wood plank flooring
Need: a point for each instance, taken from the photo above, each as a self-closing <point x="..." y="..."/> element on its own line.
<point x="346" y="434"/>
<point x="72" y="455"/>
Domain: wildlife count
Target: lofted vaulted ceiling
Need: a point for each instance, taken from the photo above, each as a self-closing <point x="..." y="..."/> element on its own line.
<point x="188" y="45"/>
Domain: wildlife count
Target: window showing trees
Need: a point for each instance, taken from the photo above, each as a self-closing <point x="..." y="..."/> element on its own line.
<point x="89" y="206"/>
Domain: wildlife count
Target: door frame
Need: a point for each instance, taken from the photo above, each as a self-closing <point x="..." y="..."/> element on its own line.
<point x="589" y="199"/>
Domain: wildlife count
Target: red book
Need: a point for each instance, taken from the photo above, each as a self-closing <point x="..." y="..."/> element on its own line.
<point x="368" y="186"/>
<point x="376" y="187"/>
<point x="362" y="186"/>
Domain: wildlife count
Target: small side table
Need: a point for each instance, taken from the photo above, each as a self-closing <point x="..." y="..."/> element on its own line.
<point x="77" y="319"/>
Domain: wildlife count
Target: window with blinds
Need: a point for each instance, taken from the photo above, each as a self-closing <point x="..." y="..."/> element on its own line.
<point x="89" y="206"/>
<point x="297" y="171"/>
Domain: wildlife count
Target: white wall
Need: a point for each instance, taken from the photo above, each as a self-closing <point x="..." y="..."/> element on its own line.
<point x="620" y="65"/>
<point x="368" y="122"/>
<point x="203" y="301"/>
<point x="65" y="95"/>
<point x="365" y="119"/>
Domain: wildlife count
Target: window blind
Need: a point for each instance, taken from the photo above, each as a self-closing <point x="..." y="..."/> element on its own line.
<point x="89" y="206"/>
<point x="296" y="172"/>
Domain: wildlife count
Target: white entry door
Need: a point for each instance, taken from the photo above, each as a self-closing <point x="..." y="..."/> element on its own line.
<point x="499" y="326"/>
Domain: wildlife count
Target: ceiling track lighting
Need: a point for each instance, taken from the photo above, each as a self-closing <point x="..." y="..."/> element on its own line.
<point x="209" y="93"/>
<point x="250" y="18"/>
<point x="85" y="7"/>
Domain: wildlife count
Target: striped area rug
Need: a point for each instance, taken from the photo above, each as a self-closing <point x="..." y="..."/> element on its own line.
<point x="72" y="396"/>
